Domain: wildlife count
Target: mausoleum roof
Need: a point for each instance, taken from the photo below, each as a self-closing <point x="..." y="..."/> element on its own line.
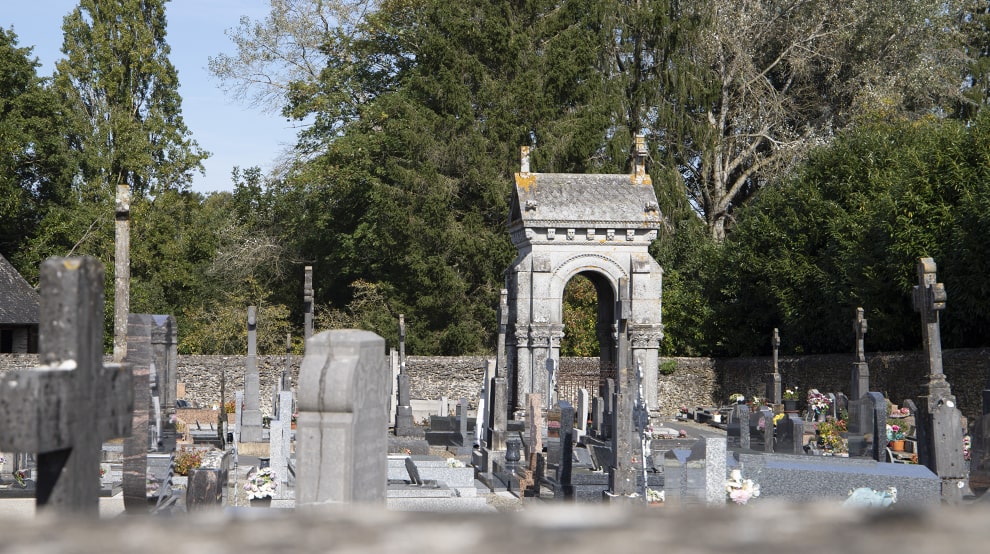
<point x="584" y="200"/>
<point x="19" y="302"/>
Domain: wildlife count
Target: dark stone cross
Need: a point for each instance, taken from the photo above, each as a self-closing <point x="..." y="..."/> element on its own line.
<point x="773" y="379"/>
<point x="938" y="420"/>
<point x="65" y="409"/>
<point x="860" y="384"/>
<point x="929" y="299"/>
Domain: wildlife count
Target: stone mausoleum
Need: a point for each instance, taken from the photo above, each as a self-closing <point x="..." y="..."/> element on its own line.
<point x="599" y="226"/>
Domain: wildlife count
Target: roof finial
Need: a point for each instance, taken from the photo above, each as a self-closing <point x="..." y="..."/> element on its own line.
<point x="639" y="159"/>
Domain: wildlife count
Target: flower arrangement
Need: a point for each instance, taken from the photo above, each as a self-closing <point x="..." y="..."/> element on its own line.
<point x="187" y="459"/>
<point x="683" y="409"/>
<point x="229" y="407"/>
<point x="2" y="460"/>
<point x="736" y="397"/>
<point x="454" y="462"/>
<point x="829" y="436"/>
<point x="895" y="433"/>
<point x="899" y="412"/>
<point x="967" y="447"/>
<point x="261" y="484"/>
<point x="790" y="394"/>
<point x="20" y="475"/>
<point x="740" y="490"/>
<point x="757" y="403"/>
<point x="654" y="496"/>
<point x="818" y="401"/>
<point x="777" y="418"/>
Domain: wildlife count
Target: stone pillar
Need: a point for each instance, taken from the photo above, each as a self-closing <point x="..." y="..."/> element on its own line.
<point x="122" y="272"/>
<point x="404" y="425"/>
<point x="341" y="434"/>
<point x="308" y="302"/>
<point x="774" y="396"/>
<point x="499" y="413"/>
<point x="622" y="477"/>
<point x="251" y="417"/>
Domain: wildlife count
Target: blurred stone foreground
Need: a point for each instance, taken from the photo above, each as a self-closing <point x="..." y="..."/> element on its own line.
<point x="761" y="526"/>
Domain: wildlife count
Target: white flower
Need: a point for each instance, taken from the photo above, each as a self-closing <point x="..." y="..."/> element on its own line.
<point x="261" y="484"/>
<point x="741" y="490"/>
<point x="454" y="462"/>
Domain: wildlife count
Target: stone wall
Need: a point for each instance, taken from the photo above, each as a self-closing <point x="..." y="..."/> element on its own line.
<point x="695" y="382"/>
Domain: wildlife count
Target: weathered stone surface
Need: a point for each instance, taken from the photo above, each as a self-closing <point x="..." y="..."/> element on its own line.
<point x="342" y="429"/>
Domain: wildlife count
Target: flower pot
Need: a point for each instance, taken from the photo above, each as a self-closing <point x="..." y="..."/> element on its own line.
<point x="790" y="405"/>
<point x="265" y="502"/>
<point x="897" y="445"/>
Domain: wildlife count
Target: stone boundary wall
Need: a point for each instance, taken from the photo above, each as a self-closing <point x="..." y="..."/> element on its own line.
<point x="695" y="382"/>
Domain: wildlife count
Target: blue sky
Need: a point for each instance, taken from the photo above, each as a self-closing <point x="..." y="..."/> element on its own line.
<point x="235" y="133"/>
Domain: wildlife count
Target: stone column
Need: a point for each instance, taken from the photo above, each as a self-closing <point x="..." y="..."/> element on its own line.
<point x="251" y="417"/>
<point x="404" y="425"/>
<point x="308" y="302"/>
<point x="122" y="272"/>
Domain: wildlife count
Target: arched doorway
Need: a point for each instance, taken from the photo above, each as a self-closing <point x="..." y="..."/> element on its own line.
<point x="587" y="350"/>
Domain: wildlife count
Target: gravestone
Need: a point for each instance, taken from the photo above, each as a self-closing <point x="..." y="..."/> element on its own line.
<point x="482" y="422"/>
<point x="280" y="441"/>
<point x="737" y="428"/>
<point x="341" y="431"/>
<point x="404" y="425"/>
<point x="502" y="368"/>
<point x="597" y="417"/>
<point x="238" y="413"/>
<point x="65" y="409"/>
<point x="867" y="435"/>
<point x="938" y="421"/>
<point x="773" y="378"/>
<point x="790" y="435"/>
<point x="979" y="468"/>
<point x="250" y="424"/>
<point x="500" y="412"/>
<point x="164" y="353"/>
<point x="766" y="415"/>
<point x="563" y="489"/>
<point x="136" y="445"/>
<point x="534" y="427"/>
<point x="308" y="297"/>
<point x="696" y="477"/>
<point x="582" y="414"/>
<point x="860" y="384"/>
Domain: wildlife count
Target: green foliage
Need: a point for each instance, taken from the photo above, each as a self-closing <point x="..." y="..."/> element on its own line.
<point x="668" y="367"/>
<point x="850" y="226"/>
<point x="580" y="319"/>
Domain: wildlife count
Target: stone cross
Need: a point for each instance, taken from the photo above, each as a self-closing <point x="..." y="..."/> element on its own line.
<point x="938" y="420"/>
<point x="861" y="371"/>
<point x="483" y="422"/>
<point x="65" y="409"/>
<point x="122" y="272"/>
<point x="501" y="357"/>
<point x="341" y="431"/>
<point x="551" y="381"/>
<point x="308" y="302"/>
<point x="929" y="299"/>
<point x="773" y="379"/>
<point x="251" y="418"/>
<point x="622" y="476"/>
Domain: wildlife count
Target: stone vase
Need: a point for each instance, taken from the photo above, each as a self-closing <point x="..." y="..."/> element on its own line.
<point x="790" y="405"/>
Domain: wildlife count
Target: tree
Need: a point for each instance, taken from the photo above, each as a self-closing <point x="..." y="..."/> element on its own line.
<point x="124" y="91"/>
<point x="850" y="226"/>
<point x="788" y="74"/>
<point x="36" y="168"/>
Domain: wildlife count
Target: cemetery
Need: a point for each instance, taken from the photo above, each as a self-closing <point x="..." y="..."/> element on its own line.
<point x="295" y="441"/>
